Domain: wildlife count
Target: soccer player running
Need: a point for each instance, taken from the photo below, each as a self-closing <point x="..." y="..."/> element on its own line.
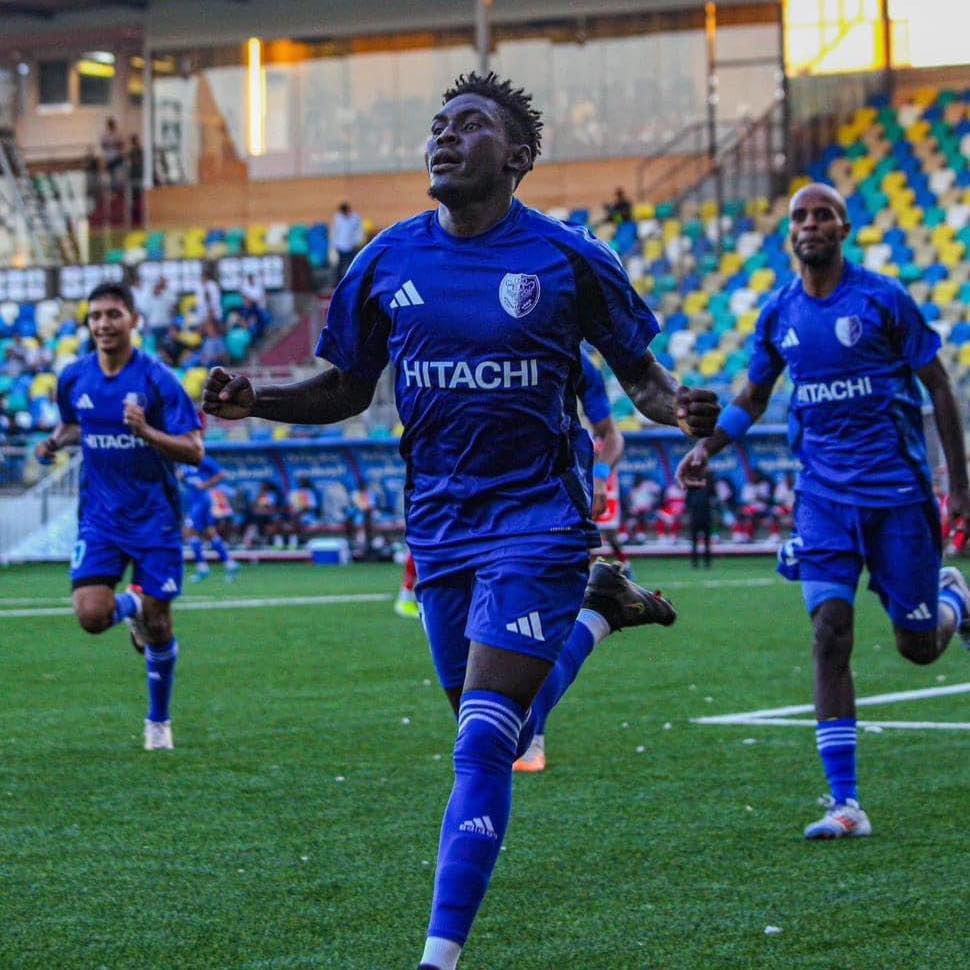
<point x="202" y="519"/>
<point x="134" y="422"/>
<point x="855" y="344"/>
<point x="482" y="305"/>
<point x="606" y="516"/>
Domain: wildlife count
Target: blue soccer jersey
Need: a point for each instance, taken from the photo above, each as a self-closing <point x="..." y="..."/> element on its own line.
<point x="484" y="335"/>
<point x="592" y="392"/>
<point x="855" y="419"/>
<point x="194" y="475"/>
<point x="128" y="490"/>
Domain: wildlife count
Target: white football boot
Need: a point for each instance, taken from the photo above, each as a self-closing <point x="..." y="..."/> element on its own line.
<point x="846" y="820"/>
<point x="158" y="736"/>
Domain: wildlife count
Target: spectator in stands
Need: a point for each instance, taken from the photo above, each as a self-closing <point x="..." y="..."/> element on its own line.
<point x="112" y="150"/>
<point x="264" y="517"/>
<point x="92" y="179"/>
<point x="641" y="506"/>
<point x="170" y="349"/>
<point x="254" y="305"/>
<point x="159" y="308"/>
<point x="213" y="352"/>
<point x="303" y="510"/>
<point x="136" y="177"/>
<point x="699" y="500"/>
<point x="348" y="237"/>
<point x="208" y="298"/>
<point x="620" y="210"/>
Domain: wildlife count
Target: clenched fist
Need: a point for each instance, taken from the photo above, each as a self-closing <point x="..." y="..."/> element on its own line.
<point x="697" y="411"/>
<point x="228" y="396"/>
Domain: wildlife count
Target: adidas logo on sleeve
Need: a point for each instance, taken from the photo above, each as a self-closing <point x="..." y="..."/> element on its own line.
<point x="407" y="295"/>
<point x="791" y="339"/>
<point x="84" y="403"/>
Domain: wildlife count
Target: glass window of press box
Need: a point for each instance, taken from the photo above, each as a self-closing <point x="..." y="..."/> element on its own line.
<point x="289" y="108"/>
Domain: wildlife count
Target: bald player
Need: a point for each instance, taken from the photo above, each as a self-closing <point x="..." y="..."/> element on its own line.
<point x="857" y="349"/>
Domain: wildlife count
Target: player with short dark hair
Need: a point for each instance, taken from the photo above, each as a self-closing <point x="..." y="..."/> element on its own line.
<point x="854" y="343"/>
<point x="134" y="421"/>
<point x="481" y="306"/>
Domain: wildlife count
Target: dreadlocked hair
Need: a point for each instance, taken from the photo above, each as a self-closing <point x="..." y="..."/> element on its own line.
<point x="522" y="121"/>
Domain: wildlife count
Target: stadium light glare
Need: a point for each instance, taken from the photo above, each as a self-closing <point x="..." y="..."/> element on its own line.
<point x="256" y="102"/>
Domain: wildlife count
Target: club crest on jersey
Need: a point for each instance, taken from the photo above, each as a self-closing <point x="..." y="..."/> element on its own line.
<point x="518" y="293"/>
<point x="848" y="330"/>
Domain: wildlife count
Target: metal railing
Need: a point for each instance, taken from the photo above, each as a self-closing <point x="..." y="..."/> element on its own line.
<point x="23" y="515"/>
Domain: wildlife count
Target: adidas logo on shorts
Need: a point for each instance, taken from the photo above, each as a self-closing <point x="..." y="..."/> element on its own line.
<point x="922" y="612"/>
<point x="529" y="626"/>
<point x="170" y="586"/>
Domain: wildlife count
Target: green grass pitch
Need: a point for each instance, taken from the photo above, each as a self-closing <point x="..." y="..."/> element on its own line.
<point x="295" y="825"/>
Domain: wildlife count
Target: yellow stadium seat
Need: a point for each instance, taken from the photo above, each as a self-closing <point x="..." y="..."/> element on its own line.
<point x="628" y="424"/>
<point x="757" y="206"/>
<point x="918" y="131"/>
<point x="798" y="183"/>
<point x="695" y="302"/>
<point x="942" y="234"/>
<point x="135" y="240"/>
<point x="709" y="210"/>
<point x="964" y="356"/>
<point x="643" y="211"/>
<point x="730" y="263"/>
<point x="195" y="243"/>
<point x="256" y="241"/>
<point x="945" y="292"/>
<point x="925" y="97"/>
<point x="653" y="249"/>
<point x="848" y="134"/>
<point x="863" y="167"/>
<point x="42" y="385"/>
<point x="889" y="269"/>
<point x="671" y="230"/>
<point x="747" y="322"/>
<point x="190" y="338"/>
<point x="136" y="339"/>
<point x="644" y="284"/>
<point x="82" y="310"/>
<point x="911" y="218"/>
<point x="174" y="244"/>
<point x="869" y="235"/>
<point x="902" y="198"/>
<point x="952" y="254"/>
<point x="864" y="117"/>
<point x="712" y="363"/>
<point x="281" y="432"/>
<point x="762" y="280"/>
<point x="67" y="346"/>
<point x="893" y="181"/>
<point x="193" y="381"/>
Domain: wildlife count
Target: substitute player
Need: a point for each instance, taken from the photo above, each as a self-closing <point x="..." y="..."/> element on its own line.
<point x="207" y="506"/>
<point x="855" y="344"/>
<point x="134" y="422"/>
<point x="608" y="443"/>
<point x="482" y="305"/>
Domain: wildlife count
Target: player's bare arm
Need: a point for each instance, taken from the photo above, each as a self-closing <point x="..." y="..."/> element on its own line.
<point x="326" y="398"/>
<point x="187" y="449"/>
<point x="946" y="414"/>
<point x="610" y="452"/>
<point x="63" y="436"/>
<point x="657" y="396"/>
<point x="692" y="470"/>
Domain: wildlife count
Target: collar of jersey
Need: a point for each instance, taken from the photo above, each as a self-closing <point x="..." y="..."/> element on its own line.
<point x="848" y="271"/>
<point x="460" y="242"/>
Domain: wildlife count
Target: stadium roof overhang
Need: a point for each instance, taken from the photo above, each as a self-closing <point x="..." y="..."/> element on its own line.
<point x="48" y="9"/>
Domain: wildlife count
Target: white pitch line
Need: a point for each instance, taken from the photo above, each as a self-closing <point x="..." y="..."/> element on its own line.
<point x="776" y="716"/>
<point x="238" y="604"/>
<point x="903" y="695"/>
<point x="718" y="583"/>
<point x="804" y="722"/>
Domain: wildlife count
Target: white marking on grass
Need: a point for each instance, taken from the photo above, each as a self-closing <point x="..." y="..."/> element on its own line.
<point x="777" y="716"/>
<point x="233" y="604"/>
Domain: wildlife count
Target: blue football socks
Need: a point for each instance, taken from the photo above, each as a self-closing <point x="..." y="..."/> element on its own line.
<point x="588" y="630"/>
<point x="220" y="548"/>
<point x="198" y="550"/>
<point x="160" y="660"/>
<point x="125" y="606"/>
<point x="475" y="820"/>
<point x="836" y="741"/>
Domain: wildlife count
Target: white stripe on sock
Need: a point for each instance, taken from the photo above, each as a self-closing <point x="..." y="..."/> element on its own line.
<point x="441" y="953"/>
<point x="595" y="623"/>
<point x="511" y="735"/>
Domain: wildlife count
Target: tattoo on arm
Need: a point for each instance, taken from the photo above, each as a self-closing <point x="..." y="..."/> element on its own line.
<point x="324" y="399"/>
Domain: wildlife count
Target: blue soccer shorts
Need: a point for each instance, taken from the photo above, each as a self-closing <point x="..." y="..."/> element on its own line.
<point x="200" y="513"/>
<point x="101" y="560"/>
<point x="899" y="545"/>
<point x="522" y="596"/>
